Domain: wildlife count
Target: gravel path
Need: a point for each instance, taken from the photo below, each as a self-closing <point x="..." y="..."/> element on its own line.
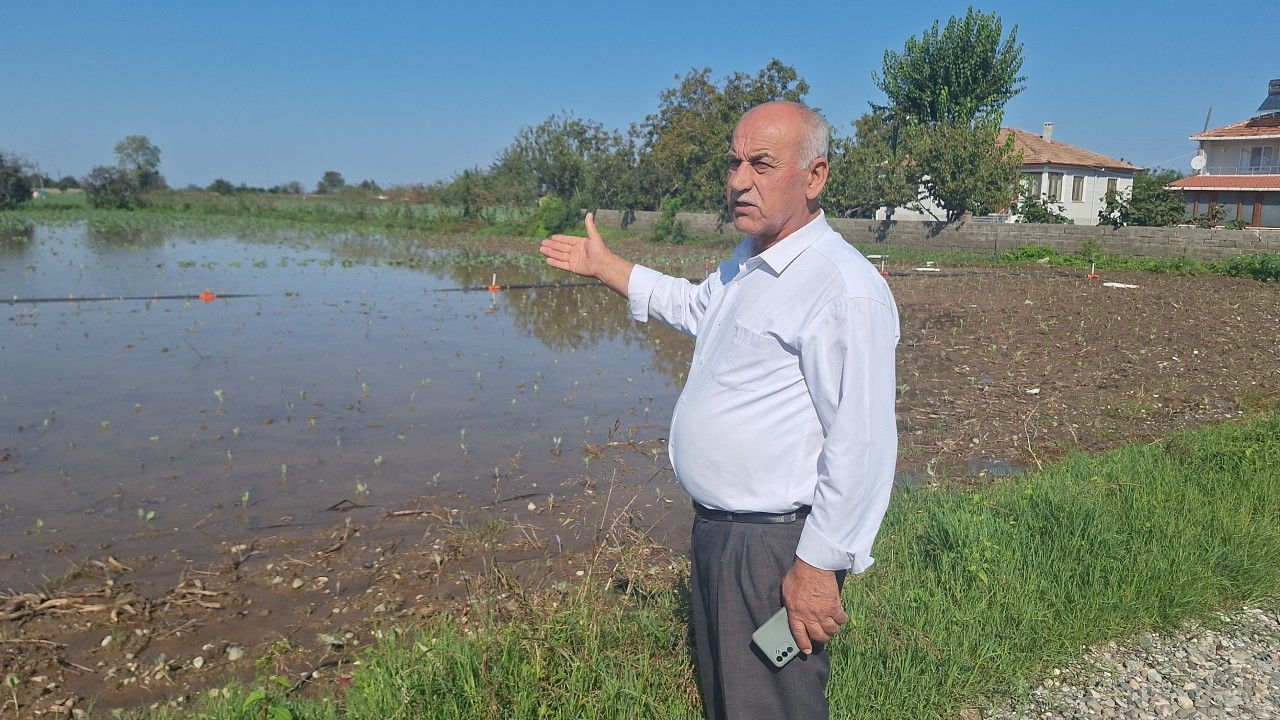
<point x="1225" y="669"/>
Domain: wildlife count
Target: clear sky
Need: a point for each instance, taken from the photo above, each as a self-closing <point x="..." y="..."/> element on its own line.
<point x="400" y="92"/>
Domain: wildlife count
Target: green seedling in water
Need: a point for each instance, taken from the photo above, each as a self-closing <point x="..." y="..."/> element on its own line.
<point x="284" y="471"/>
<point x="106" y="425"/>
<point x="361" y="488"/>
<point x="377" y="462"/>
<point x="244" y="499"/>
<point x="235" y="431"/>
<point x="218" y="394"/>
<point x="146" y="515"/>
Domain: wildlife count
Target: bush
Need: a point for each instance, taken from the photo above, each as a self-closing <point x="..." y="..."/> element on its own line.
<point x="15" y="185"/>
<point x="553" y="216"/>
<point x="1264" y="266"/>
<point x="112" y="188"/>
<point x="668" y="228"/>
<point x="1039" y="210"/>
<point x="1029" y="253"/>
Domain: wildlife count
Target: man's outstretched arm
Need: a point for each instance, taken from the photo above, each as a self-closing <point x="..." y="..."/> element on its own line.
<point x="588" y="256"/>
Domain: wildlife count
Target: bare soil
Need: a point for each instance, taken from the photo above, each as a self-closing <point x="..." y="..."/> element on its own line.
<point x="999" y="371"/>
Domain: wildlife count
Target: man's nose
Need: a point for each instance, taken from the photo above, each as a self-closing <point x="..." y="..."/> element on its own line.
<point x="739" y="178"/>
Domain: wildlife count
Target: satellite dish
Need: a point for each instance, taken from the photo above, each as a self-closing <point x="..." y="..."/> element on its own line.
<point x="1197" y="162"/>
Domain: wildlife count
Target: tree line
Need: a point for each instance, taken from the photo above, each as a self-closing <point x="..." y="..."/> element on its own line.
<point x="933" y="146"/>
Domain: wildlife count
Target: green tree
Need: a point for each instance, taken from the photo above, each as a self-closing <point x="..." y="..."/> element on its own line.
<point x="682" y="146"/>
<point x="870" y="170"/>
<point x="965" y="168"/>
<point x="1149" y="203"/>
<point x="957" y="75"/>
<point x="112" y="187"/>
<point x="330" y="182"/>
<point x="222" y="187"/>
<point x="140" y="158"/>
<point x="15" y="181"/>
<point x="947" y="89"/>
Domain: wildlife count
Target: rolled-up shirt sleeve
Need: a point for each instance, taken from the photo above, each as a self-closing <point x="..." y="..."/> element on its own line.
<point x="847" y="359"/>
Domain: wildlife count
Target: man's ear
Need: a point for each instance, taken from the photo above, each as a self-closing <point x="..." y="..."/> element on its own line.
<point x="818" y="170"/>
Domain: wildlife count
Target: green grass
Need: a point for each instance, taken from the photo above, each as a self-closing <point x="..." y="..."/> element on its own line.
<point x="976" y="595"/>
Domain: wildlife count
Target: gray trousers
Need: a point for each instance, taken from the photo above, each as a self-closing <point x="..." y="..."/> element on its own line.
<point x="736" y="585"/>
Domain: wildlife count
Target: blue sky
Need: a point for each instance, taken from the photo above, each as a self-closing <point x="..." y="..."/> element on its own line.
<point x="402" y="92"/>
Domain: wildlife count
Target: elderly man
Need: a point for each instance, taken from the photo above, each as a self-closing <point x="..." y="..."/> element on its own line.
<point x="784" y="434"/>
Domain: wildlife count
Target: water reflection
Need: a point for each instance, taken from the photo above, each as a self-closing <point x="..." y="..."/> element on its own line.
<point x="126" y="420"/>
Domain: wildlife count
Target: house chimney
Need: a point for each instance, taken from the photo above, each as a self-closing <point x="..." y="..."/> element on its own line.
<point x="1048" y="132"/>
<point x="1272" y="103"/>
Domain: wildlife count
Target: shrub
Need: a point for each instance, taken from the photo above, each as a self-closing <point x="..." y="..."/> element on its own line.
<point x="15" y="185"/>
<point x="1263" y="266"/>
<point x="1039" y="210"/>
<point x="668" y="228"/>
<point x="553" y="216"/>
<point x="1029" y="253"/>
<point x="113" y="188"/>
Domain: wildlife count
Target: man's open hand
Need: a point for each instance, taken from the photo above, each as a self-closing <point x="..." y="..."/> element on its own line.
<point x="588" y="256"/>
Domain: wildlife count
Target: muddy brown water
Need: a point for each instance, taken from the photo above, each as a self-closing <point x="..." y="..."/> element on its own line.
<point x="163" y="427"/>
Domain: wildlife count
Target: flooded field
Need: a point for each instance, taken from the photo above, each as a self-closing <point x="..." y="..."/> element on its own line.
<point x="221" y="456"/>
<point x="312" y="383"/>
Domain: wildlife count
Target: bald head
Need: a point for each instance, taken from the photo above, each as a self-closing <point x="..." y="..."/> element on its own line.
<point x="812" y="129"/>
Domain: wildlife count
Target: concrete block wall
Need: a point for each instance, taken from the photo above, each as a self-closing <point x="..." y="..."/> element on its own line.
<point x="996" y="238"/>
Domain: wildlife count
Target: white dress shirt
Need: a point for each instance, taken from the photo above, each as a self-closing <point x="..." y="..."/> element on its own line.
<point x="790" y="396"/>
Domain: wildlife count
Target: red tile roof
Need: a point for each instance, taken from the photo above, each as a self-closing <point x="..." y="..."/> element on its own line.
<point x="1228" y="182"/>
<point x="1035" y="151"/>
<point x="1267" y="126"/>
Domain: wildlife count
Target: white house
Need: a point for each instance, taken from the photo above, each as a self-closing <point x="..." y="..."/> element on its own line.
<point x="1238" y="169"/>
<point x="1062" y="174"/>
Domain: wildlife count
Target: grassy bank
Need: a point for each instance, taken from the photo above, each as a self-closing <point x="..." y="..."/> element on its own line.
<point x="976" y="594"/>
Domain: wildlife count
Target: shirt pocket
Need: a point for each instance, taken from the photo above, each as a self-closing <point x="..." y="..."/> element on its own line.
<point x="746" y="358"/>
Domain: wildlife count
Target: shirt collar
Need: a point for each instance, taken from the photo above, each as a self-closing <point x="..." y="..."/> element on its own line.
<point x="779" y="255"/>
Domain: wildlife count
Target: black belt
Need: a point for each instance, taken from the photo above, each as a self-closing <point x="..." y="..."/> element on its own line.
<point x="760" y="518"/>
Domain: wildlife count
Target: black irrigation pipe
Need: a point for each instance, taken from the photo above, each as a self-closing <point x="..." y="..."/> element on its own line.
<point x="73" y="299"/>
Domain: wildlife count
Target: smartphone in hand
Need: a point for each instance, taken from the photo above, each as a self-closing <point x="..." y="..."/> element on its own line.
<point x="775" y="640"/>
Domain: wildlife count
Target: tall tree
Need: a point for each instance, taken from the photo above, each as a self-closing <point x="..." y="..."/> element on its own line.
<point x="331" y="182"/>
<point x="948" y="88"/>
<point x="957" y="75"/>
<point x="682" y="146"/>
<point x="139" y="157"/>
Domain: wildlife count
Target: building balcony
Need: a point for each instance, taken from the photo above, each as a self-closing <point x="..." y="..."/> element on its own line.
<point x="1242" y="170"/>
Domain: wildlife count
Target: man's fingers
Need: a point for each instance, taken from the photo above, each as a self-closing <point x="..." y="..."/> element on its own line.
<point x="801" y="635"/>
<point x="591" y="227"/>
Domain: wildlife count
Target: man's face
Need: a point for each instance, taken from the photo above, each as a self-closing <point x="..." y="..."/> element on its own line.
<point x="768" y="187"/>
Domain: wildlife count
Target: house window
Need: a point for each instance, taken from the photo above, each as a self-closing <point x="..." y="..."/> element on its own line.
<point x="1055" y="187"/>
<point x="1077" y="188"/>
<point x="1111" y="185"/>
<point x="1031" y="181"/>
<point x="1260" y="158"/>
